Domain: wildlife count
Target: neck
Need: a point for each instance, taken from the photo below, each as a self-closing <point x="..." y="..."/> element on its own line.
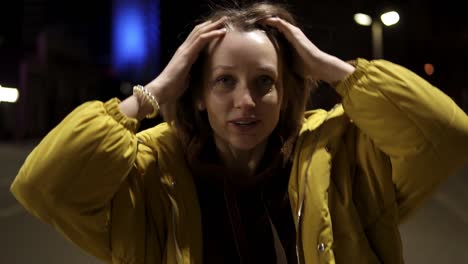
<point x="242" y="161"/>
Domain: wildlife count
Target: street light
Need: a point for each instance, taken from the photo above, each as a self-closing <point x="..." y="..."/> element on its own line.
<point x="388" y="19"/>
<point x="9" y="95"/>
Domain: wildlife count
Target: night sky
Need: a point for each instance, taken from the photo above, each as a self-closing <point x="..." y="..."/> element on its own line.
<point x="433" y="32"/>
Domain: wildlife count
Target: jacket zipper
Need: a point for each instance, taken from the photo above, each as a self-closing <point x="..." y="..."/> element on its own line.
<point x="299" y="255"/>
<point x="173" y="211"/>
<point x="174" y="233"/>
<point x="174" y="221"/>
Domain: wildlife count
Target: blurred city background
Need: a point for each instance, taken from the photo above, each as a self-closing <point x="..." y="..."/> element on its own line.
<point x="58" y="54"/>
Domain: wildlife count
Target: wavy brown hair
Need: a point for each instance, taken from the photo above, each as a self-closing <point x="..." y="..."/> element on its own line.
<point x="193" y="126"/>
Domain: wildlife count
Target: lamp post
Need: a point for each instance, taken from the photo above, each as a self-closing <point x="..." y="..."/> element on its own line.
<point x="386" y="19"/>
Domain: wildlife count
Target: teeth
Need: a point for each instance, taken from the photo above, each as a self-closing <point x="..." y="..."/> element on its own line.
<point x="244" y="123"/>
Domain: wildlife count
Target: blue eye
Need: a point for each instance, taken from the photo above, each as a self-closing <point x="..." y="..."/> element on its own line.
<point x="225" y="82"/>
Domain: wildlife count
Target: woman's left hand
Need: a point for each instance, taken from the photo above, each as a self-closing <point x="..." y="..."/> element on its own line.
<point x="317" y="64"/>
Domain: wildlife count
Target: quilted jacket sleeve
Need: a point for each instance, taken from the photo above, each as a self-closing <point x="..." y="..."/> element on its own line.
<point x="69" y="179"/>
<point x="421" y="129"/>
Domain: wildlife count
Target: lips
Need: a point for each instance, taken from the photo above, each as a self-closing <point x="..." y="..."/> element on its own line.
<point x="244" y="124"/>
<point x="244" y="121"/>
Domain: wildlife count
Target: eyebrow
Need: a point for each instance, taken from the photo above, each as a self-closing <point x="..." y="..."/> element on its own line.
<point x="224" y="67"/>
<point x="264" y="68"/>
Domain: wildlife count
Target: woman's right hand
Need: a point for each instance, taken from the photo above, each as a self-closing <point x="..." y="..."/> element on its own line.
<point x="173" y="80"/>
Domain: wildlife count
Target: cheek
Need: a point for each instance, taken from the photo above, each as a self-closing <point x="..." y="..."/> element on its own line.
<point x="217" y="109"/>
<point x="272" y="99"/>
<point x="216" y="103"/>
<point x="272" y="107"/>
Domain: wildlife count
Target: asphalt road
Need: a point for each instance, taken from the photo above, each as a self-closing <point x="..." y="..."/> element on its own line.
<point x="437" y="233"/>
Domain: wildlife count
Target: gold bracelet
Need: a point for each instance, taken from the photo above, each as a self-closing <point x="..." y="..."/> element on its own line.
<point x="143" y="94"/>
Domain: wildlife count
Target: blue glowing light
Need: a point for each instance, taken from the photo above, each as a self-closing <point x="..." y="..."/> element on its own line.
<point x="135" y="37"/>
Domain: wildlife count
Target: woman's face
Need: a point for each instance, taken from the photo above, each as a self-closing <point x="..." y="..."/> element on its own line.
<point x="242" y="89"/>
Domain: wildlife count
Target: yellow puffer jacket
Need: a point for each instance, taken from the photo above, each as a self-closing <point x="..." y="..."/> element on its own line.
<point x="358" y="171"/>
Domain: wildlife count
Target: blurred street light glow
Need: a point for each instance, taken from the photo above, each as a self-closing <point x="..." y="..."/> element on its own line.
<point x="429" y="68"/>
<point x="362" y="19"/>
<point x="8" y="94"/>
<point x="390" y="18"/>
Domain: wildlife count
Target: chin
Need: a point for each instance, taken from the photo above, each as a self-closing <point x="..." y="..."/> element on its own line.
<point x="245" y="143"/>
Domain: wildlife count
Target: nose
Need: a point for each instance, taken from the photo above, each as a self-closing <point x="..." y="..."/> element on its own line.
<point x="243" y="97"/>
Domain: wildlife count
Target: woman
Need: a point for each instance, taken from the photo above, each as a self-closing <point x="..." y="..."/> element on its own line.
<point x="240" y="173"/>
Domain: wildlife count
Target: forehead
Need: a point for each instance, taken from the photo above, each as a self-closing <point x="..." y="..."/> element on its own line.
<point x="242" y="49"/>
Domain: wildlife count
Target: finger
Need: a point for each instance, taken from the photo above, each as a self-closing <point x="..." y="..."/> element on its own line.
<point x="206" y="27"/>
<point x="195" y="48"/>
<point x="205" y="38"/>
<point x="286" y="28"/>
<point x="197" y="28"/>
<point x="293" y="34"/>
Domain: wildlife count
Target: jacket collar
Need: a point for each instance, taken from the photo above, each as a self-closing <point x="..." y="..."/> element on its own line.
<point x="313" y="119"/>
